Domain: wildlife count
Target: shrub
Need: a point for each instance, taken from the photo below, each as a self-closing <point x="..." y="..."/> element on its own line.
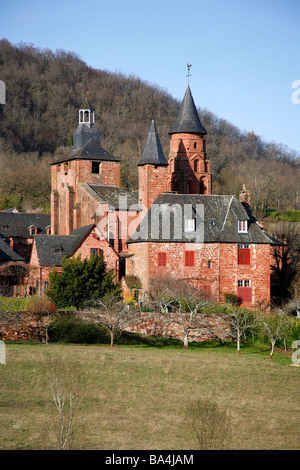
<point x="40" y="306"/>
<point x="210" y="424"/>
<point x="231" y="298"/>
<point x="293" y="331"/>
<point x="66" y="329"/>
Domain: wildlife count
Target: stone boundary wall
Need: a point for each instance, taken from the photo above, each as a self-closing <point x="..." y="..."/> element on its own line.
<point x="22" y="326"/>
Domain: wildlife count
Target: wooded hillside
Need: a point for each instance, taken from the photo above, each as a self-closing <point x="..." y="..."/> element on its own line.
<point x="44" y="91"/>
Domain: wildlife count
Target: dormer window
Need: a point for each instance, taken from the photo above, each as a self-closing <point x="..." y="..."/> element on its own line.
<point x="242" y="226"/>
<point x="48" y="229"/>
<point x="189" y="225"/>
<point x="32" y="230"/>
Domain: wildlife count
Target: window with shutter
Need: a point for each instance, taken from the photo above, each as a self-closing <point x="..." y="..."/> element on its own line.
<point x="189" y="258"/>
<point x="244" y="254"/>
<point x="162" y="259"/>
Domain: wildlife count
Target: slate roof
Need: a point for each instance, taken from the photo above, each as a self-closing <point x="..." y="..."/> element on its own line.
<point x="51" y="249"/>
<point x="7" y="254"/>
<point x="188" y="119"/>
<point x="84" y="132"/>
<point x="216" y="221"/>
<point x="113" y="196"/>
<point x="153" y="153"/>
<point x="90" y="151"/>
<point x="17" y="224"/>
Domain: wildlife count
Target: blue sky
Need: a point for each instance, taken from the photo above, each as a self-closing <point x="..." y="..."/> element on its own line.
<point x="245" y="54"/>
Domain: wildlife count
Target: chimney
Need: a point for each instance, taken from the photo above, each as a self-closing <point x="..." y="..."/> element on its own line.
<point x="245" y="198"/>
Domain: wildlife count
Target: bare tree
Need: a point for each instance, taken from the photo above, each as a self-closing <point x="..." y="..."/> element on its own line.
<point x="112" y="313"/>
<point x="285" y="256"/>
<point x="65" y="385"/>
<point x="274" y="325"/>
<point x="178" y="302"/>
<point x="241" y="322"/>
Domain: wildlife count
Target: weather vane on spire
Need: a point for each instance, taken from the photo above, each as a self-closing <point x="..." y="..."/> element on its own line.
<point x="189" y="73"/>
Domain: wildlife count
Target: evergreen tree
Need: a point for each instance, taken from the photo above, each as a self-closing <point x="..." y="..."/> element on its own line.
<point x="80" y="280"/>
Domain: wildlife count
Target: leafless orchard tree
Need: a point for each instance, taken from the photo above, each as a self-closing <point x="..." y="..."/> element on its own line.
<point x="66" y="388"/>
<point x="178" y="302"/>
<point x="242" y="321"/>
<point x="274" y="325"/>
<point x="112" y="313"/>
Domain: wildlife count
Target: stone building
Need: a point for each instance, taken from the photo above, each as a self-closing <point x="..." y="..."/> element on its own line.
<point x="173" y="225"/>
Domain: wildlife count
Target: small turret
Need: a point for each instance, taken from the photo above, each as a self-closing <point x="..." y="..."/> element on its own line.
<point x="152" y="169"/>
<point x="86" y="129"/>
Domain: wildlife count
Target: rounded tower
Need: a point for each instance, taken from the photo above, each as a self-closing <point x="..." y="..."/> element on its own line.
<point x="189" y="169"/>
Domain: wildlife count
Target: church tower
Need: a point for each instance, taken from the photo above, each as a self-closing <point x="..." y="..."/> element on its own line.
<point x="86" y="128"/>
<point x="153" y="168"/>
<point x="189" y="169"/>
<point x="87" y="162"/>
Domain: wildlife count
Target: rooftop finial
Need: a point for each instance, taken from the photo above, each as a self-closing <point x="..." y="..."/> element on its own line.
<point x="188" y="74"/>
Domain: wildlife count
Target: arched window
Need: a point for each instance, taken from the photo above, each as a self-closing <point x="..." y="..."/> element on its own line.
<point x="46" y="285"/>
<point x="195" y="145"/>
<point x="196" y="166"/>
<point x="81" y="116"/>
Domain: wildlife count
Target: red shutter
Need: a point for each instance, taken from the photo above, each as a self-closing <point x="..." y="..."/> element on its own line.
<point x="244" y="256"/>
<point x="162" y="259"/>
<point x="189" y="258"/>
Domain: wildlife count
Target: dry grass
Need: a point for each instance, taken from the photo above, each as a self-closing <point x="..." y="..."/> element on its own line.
<point x="136" y="398"/>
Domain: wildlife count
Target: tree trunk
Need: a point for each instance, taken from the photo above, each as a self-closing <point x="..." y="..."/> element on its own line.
<point x="272" y="348"/>
<point x="238" y="342"/>
<point x="111" y="339"/>
<point x="186" y="341"/>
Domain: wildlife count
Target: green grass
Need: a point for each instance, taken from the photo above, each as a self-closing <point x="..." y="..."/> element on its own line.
<point x="135" y="397"/>
<point x="12" y="304"/>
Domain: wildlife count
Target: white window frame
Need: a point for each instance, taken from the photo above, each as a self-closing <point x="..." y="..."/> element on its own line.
<point x="242" y="226"/>
<point x="244" y="283"/>
<point x="189" y="225"/>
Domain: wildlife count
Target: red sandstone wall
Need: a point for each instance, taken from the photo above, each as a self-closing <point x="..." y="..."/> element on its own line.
<point x="23" y="327"/>
<point x="219" y="276"/>
<point x="68" y="210"/>
<point x="152" y="182"/>
<point x="182" y="169"/>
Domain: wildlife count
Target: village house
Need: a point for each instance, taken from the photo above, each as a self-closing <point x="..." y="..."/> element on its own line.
<point x="173" y="225"/>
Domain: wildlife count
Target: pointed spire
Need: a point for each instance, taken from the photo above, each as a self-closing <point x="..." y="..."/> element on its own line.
<point x="153" y="153"/>
<point x="87" y="104"/>
<point x="188" y="120"/>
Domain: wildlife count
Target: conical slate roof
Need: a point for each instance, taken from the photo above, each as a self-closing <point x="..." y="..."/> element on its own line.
<point x="153" y="153"/>
<point x="188" y="120"/>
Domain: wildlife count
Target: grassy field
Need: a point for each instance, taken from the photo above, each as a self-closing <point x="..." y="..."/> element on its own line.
<point x="135" y="398"/>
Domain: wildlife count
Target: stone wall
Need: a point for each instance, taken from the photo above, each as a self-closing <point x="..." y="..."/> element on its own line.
<point x="22" y="326"/>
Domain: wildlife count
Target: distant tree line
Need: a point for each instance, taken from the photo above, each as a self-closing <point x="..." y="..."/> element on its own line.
<point x="44" y="90"/>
